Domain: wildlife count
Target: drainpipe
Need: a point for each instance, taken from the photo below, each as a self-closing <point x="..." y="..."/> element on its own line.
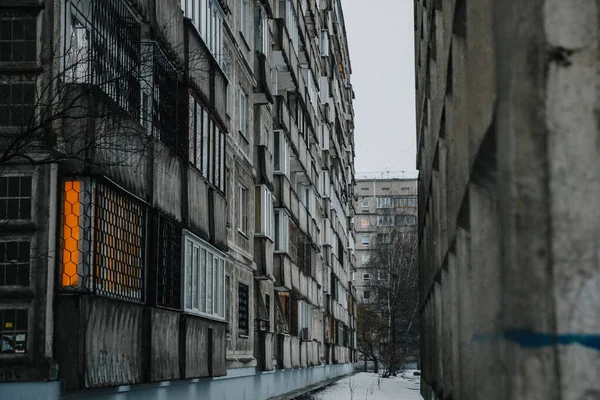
<point x="52" y="229"/>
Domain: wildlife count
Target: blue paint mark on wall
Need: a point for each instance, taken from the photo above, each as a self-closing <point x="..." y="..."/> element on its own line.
<point x="532" y="340"/>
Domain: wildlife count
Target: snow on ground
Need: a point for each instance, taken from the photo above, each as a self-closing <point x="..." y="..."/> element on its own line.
<point x="369" y="386"/>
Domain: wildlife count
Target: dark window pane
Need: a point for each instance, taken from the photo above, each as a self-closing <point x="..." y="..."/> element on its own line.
<point x="12" y="208"/>
<point x="25" y="209"/>
<point x="23" y="252"/>
<point x="16" y="94"/>
<point x="11" y="274"/>
<point x="21" y="320"/>
<point x="5" y="51"/>
<point x="6" y="30"/>
<point x="29" y="27"/>
<point x="3" y="187"/>
<point x="18" y="30"/>
<point x="28" y="94"/>
<point x="3" y="209"/>
<point x="12" y="250"/>
<point x="9" y="319"/>
<point x="13" y="186"/>
<point x="26" y="186"/>
<point x="29" y="50"/>
<point x="23" y="275"/>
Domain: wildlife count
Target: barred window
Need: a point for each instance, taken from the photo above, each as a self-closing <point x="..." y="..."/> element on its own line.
<point x="168" y="279"/>
<point x="159" y="97"/>
<point x="15" y="197"/>
<point x="206" y="142"/>
<point x="99" y="217"/>
<point x="243" y="309"/>
<point x="103" y="47"/>
<point x="14" y="263"/>
<point x="13" y="331"/>
<point x="17" y="104"/>
<point x="18" y="39"/>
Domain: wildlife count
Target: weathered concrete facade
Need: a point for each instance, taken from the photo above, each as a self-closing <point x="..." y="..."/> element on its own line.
<point x="167" y="198"/>
<point x="507" y="103"/>
<point x="377" y="199"/>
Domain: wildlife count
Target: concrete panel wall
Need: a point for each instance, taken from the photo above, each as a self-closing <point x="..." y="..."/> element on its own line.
<point x="507" y="103"/>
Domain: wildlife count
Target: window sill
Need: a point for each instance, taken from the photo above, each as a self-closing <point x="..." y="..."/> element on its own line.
<point x="242" y="233"/>
<point x="243" y="336"/>
<point x="244" y="41"/>
<point x="244" y="136"/>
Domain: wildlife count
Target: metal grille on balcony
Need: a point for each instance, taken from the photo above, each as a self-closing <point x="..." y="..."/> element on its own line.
<point x="168" y="266"/>
<point x="116" y="53"/>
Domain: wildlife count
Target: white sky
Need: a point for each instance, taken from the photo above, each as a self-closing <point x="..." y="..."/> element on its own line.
<point x="380" y="39"/>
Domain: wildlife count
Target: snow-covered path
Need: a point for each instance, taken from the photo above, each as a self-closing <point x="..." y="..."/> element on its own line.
<point x="366" y="387"/>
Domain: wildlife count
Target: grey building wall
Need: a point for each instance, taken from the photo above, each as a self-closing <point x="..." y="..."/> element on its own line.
<point x="403" y="201"/>
<point x="507" y="100"/>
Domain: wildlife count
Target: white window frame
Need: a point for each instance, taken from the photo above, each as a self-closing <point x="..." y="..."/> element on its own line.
<point x="244" y="15"/>
<point x="365" y="205"/>
<point x="261" y="34"/>
<point x="324" y="43"/>
<point x="366" y="277"/>
<point x="242" y="209"/>
<point x="284" y="153"/>
<point x="203" y="285"/>
<point x="365" y="240"/>
<point x="207" y="16"/>
<point x="385" y="202"/>
<point x="282" y="231"/>
<point x="242" y="112"/>
<point x="265" y="215"/>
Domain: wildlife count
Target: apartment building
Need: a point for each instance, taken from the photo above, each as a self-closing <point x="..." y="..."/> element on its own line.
<point x="382" y="205"/>
<point x="175" y="186"/>
<point x="507" y="138"/>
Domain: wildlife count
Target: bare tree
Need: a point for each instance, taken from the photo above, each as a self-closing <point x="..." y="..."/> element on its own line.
<point x="389" y="332"/>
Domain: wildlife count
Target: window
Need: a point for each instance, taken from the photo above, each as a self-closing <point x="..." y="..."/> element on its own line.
<point x="263" y="211"/>
<point x="364" y="222"/>
<point x="105" y="228"/>
<point x="206" y="143"/>
<point x="15" y="197"/>
<point x="243" y="310"/>
<point x="109" y="55"/>
<point x="207" y="16"/>
<point x="406" y="220"/>
<point x="385" y="220"/>
<point x="159" y="96"/>
<point x="381" y="275"/>
<point x="385" y="189"/>
<point x="384" y="238"/>
<point x="14" y="263"/>
<point x="308" y="198"/>
<point x="282" y="231"/>
<point x="17" y="104"/>
<point x="204" y="279"/>
<point x="288" y="13"/>
<point x="13" y="331"/>
<point x="366" y="257"/>
<point x="168" y="265"/>
<point x="243" y="113"/>
<point x="324" y="43"/>
<point x="366" y="295"/>
<point x="243" y="16"/>
<point x="365" y="205"/>
<point x="18" y="39"/>
<point x="366" y="277"/>
<point x="385" y="202"/>
<point x="242" y="221"/>
<point x="365" y="240"/>
<point x="261" y="32"/>
<point x="282" y="153"/>
<point x="305" y="320"/>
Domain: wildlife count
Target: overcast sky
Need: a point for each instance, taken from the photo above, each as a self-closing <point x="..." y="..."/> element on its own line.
<point x="380" y="38"/>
